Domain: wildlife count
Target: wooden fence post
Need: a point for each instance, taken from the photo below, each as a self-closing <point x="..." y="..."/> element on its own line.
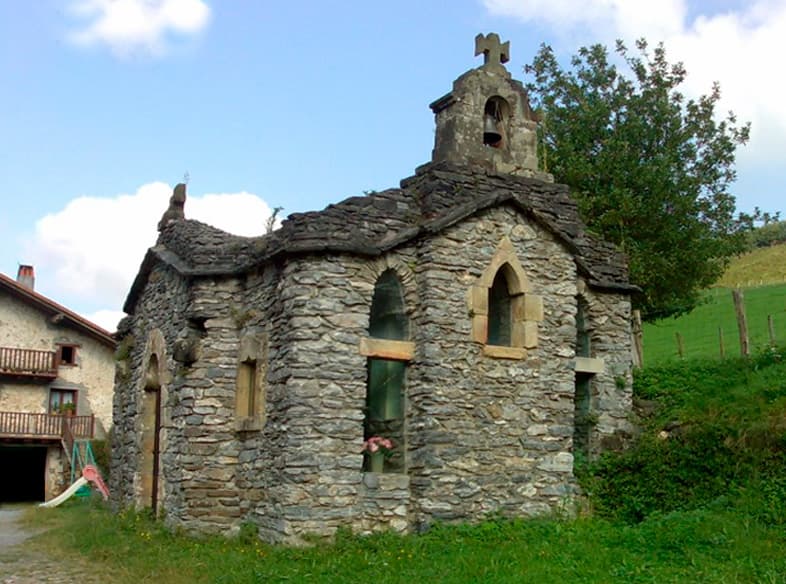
<point x="638" y="340"/>
<point x="720" y="340"/>
<point x="742" y="321"/>
<point x="680" y="346"/>
<point x="771" y="330"/>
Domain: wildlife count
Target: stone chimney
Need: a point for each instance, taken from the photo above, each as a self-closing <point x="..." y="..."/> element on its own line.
<point x="26" y="276"/>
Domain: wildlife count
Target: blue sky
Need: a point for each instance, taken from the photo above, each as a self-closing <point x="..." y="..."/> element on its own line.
<point x="106" y="104"/>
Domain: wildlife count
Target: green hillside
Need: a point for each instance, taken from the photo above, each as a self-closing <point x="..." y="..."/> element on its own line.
<point x="765" y="265"/>
<point x="700" y="329"/>
<point x="761" y="274"/>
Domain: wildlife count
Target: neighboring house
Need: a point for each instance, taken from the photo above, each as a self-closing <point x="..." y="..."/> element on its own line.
<point x="467" y="316"/>
<point x="54" y="366"/>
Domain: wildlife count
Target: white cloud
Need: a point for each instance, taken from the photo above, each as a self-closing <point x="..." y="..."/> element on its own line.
<point x="106" y="319"/>
<point x="598" y="16"/>
<point x="129" y="26"/>
<point x="91" y="250"/>
<point x="738" y="48"/>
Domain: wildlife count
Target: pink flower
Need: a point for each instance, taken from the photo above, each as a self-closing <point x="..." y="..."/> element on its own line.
<point x="377" y="443"/>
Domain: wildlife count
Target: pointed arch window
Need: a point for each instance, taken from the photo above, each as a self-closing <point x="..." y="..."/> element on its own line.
<point x="504" y="311"/>
<point x="500" y="311"/>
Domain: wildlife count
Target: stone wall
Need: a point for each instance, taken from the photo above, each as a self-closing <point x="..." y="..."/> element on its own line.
<point x="612" y="389"/>
<point x="327" y="301"/>
<point x="56" y="472"/>
<point x="482" y="434"/>
<point x="202" y="448"/>
<point x="490" y="434"/>
<point x="162" y="307"/>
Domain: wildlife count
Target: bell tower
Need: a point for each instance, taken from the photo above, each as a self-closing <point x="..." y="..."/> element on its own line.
<point x="486" y="120"/>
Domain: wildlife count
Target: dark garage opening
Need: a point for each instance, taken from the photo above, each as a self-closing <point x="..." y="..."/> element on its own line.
<point x="23" y="473"/>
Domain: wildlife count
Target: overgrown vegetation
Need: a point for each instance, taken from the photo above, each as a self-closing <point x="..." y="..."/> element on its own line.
<point x="700" y="497"/>
<point x="717" y="439"/>
<point x="771" y="233"/>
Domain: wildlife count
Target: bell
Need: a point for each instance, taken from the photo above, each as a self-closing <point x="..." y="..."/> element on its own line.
<point x="491" y="134"/>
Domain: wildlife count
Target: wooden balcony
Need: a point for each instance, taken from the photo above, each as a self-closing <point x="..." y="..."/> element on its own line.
<point x="28" y="363"/>
<point x="45" y="426"/>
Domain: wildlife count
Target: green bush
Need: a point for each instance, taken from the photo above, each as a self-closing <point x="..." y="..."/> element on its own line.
<point x="719" y="430"/>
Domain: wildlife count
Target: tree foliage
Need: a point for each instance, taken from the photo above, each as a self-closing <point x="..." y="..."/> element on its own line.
<point x="649" y="168"/>
<point x="771" y="233"/>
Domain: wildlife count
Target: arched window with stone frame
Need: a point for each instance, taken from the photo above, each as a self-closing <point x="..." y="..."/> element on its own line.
<point x="500" y="306"/>
<point x="504" y="310"/>
<point x="388" y="351"/>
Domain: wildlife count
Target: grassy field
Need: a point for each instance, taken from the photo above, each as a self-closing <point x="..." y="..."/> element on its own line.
<point x="700" y="497"/>
<point x="762" y="275"/>
<point x="759" y="267"/>
<point x="703" y="545"/>
<point x="699" y="329"/>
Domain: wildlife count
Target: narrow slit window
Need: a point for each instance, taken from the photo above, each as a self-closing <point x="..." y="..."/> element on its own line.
<point x="582" y="414"/>
<point x="247" y="389"/>
<point x="583" y="344"/>
<point x="388" y="319"/>
<point x="385" y="400"/>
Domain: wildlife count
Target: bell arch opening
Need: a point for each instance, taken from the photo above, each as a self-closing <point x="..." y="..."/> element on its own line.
<point x="496" y="117"/>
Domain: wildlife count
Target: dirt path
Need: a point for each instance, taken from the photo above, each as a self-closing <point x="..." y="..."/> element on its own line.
<point x="22" y="563"/>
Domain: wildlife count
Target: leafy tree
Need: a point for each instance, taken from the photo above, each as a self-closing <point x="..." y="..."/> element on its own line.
<point x="649" y="168"/>
<point x="773" y="232"/>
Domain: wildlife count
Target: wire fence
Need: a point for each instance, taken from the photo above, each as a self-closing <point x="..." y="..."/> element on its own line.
<point x="730" y="323"/>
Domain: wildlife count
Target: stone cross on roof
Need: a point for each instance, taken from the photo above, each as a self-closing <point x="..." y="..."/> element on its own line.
<point x="494" y="52"/>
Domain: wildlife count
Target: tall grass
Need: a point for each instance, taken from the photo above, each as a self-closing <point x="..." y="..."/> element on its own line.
<point x="762" y="266"/>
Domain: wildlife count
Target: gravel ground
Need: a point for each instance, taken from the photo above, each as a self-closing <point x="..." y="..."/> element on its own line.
<point x="21" y="563"/>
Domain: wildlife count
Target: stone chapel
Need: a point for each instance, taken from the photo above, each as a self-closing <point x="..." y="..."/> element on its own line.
<point x="467" y="316"/>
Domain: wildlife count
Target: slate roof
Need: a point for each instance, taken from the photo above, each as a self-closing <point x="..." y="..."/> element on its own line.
<point x="438" y="196"/>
